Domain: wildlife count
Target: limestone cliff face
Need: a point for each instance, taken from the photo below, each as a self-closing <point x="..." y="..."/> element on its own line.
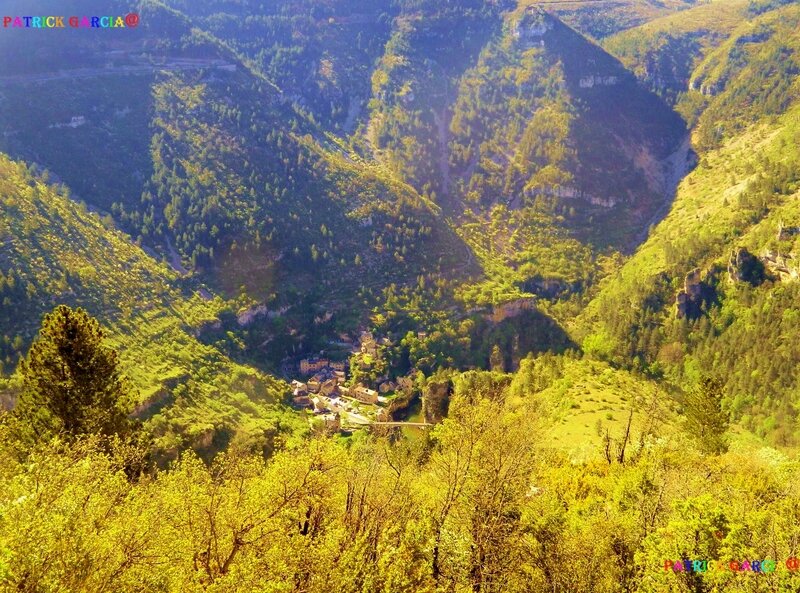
<point x="512" y="309"/>
<point x="573" y="193"/>
<point x="743" y="266"/>
<point x="707" y="89"/>
<point x="247" y="317"/>
<point x="593" y="80"/>
<point x="780" y="265"/>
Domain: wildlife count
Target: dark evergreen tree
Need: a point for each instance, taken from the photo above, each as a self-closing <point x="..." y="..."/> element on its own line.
<point x="71" y="382"/>
<point x="706" y="421"/>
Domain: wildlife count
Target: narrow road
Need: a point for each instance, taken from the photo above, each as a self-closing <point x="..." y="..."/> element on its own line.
<point x="84" y="73"/>
<point x="403" y="424"/>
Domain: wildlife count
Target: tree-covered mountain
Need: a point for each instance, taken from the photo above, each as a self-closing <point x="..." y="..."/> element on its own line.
<point x="664" y="52"/>
<point x="320" y="54"/>
<point x="548" y="120"/>
<point x="460" y="177"/>
<point x="209" y="163"/>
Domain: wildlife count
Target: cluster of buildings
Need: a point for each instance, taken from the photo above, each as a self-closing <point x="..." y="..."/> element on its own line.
<point x="326" y="394"/>
<point x="315" y="364"/>
<point x="304" y="394"/>
<point x="330" y="406"/>
<point x="369" y="345"/>
<point x="323" y="388"/>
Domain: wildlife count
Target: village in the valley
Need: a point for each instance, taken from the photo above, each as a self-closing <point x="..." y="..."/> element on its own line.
<point x="332" y="404"/>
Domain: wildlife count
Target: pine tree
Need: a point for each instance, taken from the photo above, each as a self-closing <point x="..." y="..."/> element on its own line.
<point x="71" y="381"/>
<point x="705" y="419"/>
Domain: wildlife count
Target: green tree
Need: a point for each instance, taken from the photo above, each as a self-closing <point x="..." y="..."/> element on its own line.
<point x="496" y="360"/>
<point x="705" y="419"/>
<point x="71" y="382"/>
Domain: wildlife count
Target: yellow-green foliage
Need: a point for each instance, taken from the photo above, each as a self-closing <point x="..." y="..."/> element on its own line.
<point x="588" y="400"/>
<point x="665" y="51"/>
<point x="522" y="247"/>
<point x="714" y="17"/>
<point x="485" y="504"/>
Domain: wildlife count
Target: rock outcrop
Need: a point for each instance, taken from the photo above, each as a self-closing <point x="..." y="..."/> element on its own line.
<point x="707" y="89"/>
<point x="573" y="193"/>
<point x="587" y="82"/>
<point x="743" y="266"/>
<point x="247" y="317"/>
<point x="695" y="296"/>
<point x="532" y="26"/>
<point x="783" y="267"/>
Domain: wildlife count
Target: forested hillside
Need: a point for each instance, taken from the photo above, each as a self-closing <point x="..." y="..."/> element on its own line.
<point x="413" y="87"/>
<point x="550" y="131"/>
<point x="54" y="250"/>
<point x="211" y="165"/>
<point x="319" y="53"/>
<point x="218" y="157"/>
<point x="714" y="289"/>
<point x="664" y="52"/>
